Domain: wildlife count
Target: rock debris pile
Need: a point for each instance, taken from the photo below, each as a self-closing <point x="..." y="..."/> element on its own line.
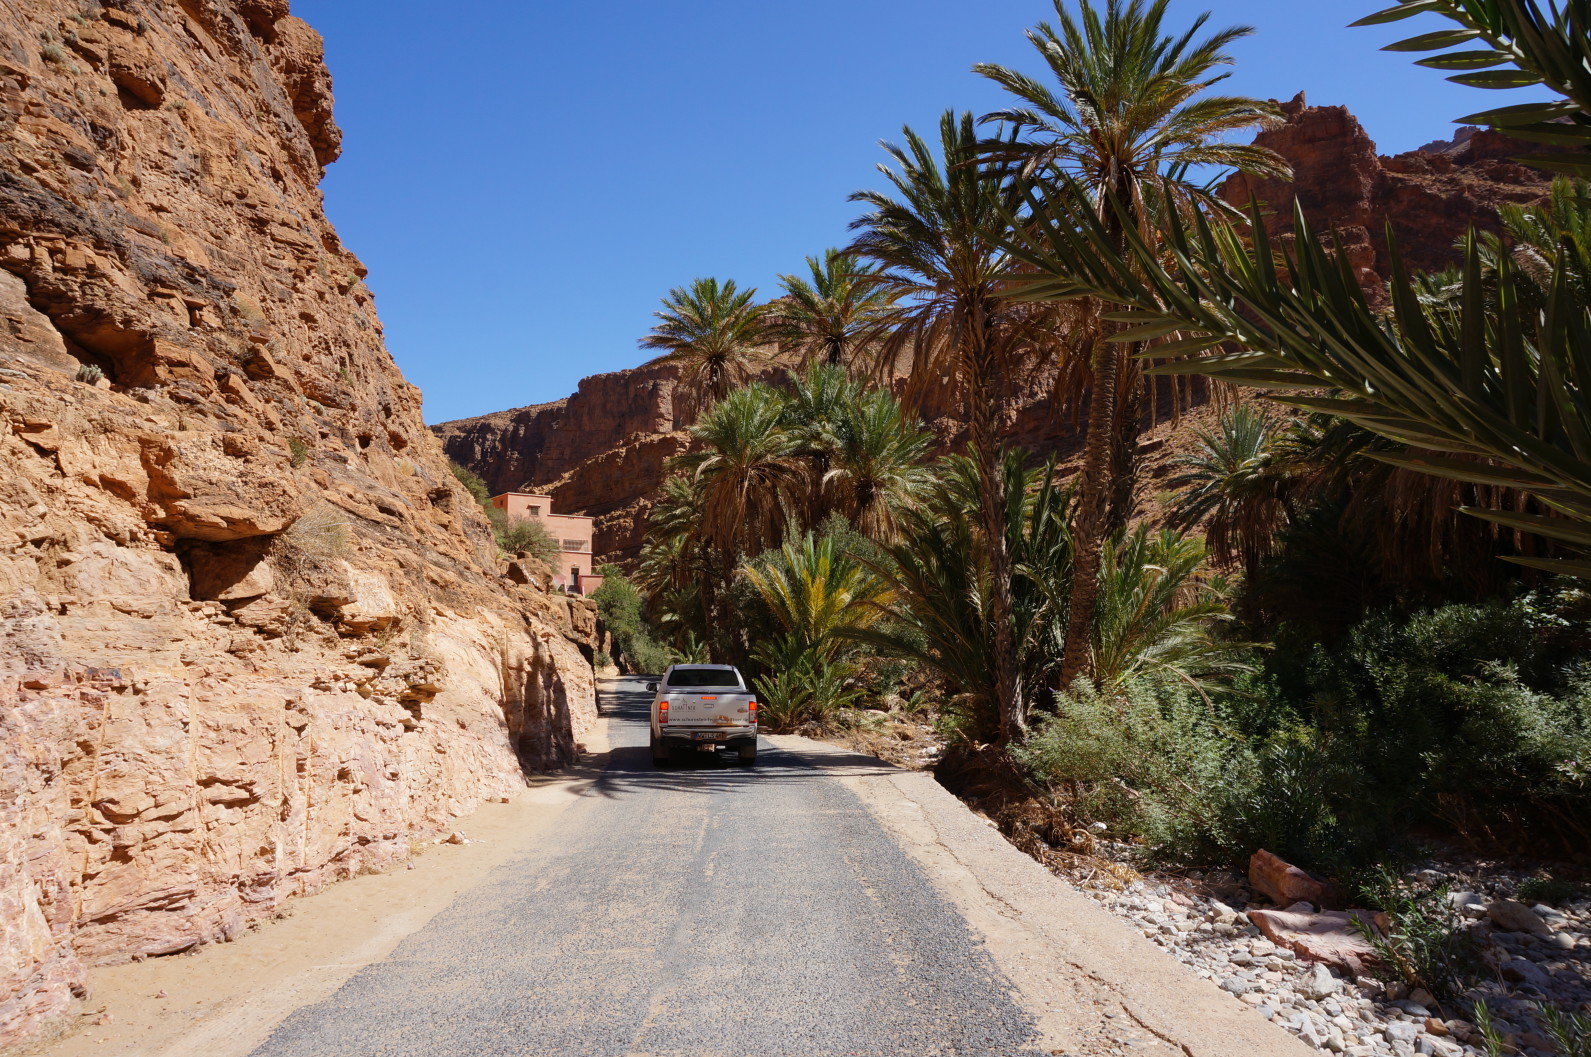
<point x="1318" y="985"/>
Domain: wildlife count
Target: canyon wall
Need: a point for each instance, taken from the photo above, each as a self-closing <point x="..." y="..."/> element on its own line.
<point x="254" y="637"/>
<point x="603" y="451"/>
<point x="1429" y="197"/>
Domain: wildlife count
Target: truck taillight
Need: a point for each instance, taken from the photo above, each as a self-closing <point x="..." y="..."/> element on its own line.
<point x="662" y="707"/>
<point x="751" y="706"/>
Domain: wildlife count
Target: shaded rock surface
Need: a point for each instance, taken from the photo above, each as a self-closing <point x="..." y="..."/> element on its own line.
<point x="254" y="638"/>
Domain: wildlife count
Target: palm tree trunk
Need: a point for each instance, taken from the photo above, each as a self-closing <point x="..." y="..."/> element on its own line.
<point x="1094" y="490"/>
<point x="1092" y="504"/>
<point x="1124" y="442"/>
<point x="984" y="393"/>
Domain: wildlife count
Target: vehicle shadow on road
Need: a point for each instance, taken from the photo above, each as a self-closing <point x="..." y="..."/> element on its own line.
<point x="631" y="770"/>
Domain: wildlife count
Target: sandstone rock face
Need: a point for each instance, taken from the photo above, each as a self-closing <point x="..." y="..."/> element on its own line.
<point x="540" y="444"/>
<point x="254" y="638"/>
<point x="1430" y="197"/>
<point x="601" y="452"/>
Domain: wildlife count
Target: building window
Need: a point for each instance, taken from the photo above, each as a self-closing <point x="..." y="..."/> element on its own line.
<point x="535" y="510"/>
<point x="574" y="545"/>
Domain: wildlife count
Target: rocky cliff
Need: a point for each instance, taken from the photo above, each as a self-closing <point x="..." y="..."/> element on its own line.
<point x="253" y="636"/>
<point x="1429" y="197"/>
<point x="603" y="451"/>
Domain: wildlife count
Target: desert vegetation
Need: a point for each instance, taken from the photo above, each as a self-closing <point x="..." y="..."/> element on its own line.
<point x="1356" y="627"/>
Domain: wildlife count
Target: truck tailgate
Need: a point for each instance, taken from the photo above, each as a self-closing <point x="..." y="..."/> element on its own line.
<point x="707" y="709"/>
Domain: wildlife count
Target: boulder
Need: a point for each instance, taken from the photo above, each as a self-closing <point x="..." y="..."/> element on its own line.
<point x="1327" y="938"/>
<point x="1513" y="916"/>
<point x="1285" y="884"/>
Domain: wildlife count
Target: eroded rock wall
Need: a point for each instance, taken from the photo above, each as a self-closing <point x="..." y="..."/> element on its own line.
<point x="253" y="635"/>
<point x="1430" y="197"/>
<point x="600" y="452"/>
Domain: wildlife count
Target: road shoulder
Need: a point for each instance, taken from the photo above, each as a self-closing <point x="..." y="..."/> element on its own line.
<point x="224" y="1000"/>
<point x="1091" y="981"/>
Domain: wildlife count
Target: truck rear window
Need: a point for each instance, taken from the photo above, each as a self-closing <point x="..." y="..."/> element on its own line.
<point x="694" y="677"/>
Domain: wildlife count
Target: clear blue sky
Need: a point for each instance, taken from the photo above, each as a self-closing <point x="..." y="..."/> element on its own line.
<point x="526" y="179"/>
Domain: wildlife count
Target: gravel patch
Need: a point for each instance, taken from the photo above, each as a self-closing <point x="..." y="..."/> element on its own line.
<point x="1543" y="960"/>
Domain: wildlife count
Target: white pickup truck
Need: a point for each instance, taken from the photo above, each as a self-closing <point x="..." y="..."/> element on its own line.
<point x="703" y="706"/>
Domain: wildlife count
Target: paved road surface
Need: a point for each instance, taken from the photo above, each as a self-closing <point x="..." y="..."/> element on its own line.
<point x="708" y="909"/>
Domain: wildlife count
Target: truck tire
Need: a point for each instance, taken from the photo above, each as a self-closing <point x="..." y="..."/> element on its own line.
<point x="659" y="751"/>
<point x="748" y="753"/>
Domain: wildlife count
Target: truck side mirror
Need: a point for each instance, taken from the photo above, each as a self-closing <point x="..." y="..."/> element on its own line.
<point x="652" y="687"/>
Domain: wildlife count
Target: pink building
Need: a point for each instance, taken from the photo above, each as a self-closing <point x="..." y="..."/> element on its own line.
<point x="572" y="569"/>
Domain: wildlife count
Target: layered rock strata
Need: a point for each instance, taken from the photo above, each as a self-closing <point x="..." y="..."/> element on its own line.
<point x="254" y="637"/>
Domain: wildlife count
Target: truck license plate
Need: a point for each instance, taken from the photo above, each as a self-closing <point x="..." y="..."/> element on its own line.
<point x="706" y="736"/>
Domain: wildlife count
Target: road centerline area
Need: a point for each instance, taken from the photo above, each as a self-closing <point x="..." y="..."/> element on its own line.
<point x="707" y="908"/>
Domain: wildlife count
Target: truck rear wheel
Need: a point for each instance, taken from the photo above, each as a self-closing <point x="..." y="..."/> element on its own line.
<point x="748" y="753"/>
<point x="659" y="751"/>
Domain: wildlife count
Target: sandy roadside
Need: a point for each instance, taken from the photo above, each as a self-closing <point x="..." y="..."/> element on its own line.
<point x="223" y="1000"/>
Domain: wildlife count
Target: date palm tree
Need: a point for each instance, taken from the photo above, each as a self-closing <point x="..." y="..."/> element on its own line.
<point x="1485" y="391"/>
<point x="746" y="471"/>
<point x="818" y="401"/>
<point x="931" y="238"/>
<point x="832" y="312"/>
<point x="714" y="332"/>
<point x="1234" y="481"/>
<point x="1128" y="116"/>
<point x="878" y="471"/>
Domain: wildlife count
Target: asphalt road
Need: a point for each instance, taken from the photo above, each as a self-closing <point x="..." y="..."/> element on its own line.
<point x="706" y="909"/>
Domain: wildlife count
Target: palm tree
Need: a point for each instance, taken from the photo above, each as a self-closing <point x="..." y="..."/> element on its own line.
<point x="878" y="470"/>
<point x="818" y="401"/>
<point x="865" y="459"/>
<point x="1483" y="395"/>
<point x="714" y="332"/>
<point x="931" y="238"/>
<point x="746" y="472"/>
<point x="1158" y="613"/>
<point x="1235" y="480"/>
<point x="1128" y="120"/>
<point x="941" y="608"/>
<point x="831" y="314"/>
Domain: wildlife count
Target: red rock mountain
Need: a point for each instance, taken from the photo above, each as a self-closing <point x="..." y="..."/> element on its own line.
<point x="1430" y="197"/>
<point x="254" y="637"/>
<point x="603" y="451"/>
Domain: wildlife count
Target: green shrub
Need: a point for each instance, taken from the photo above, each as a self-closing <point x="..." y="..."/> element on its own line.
<point x="1553" y="891"/>
<point x="523" y="534"/>
<point x="1148" y="760"/>
<point x="1426" y="944"/>
<point x="90" y="373"/>
<point x="619" y="605"/>
<point x="1476" y="716"/>
<point x="472" y="484"/>
<point x="299" y="451"/>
